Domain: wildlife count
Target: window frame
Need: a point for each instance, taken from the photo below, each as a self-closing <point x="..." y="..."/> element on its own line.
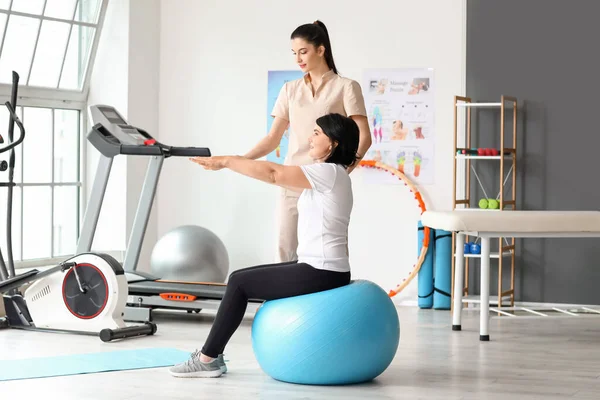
<point x="56" y="98"/>
<point x="54" y="95"/>
<point x="82" y="184"/>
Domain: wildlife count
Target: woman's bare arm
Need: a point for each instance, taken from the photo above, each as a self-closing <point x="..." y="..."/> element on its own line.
<point x="270" y="142"/>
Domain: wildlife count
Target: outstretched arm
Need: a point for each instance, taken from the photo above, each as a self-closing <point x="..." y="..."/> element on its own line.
<point x="288" y="176"/>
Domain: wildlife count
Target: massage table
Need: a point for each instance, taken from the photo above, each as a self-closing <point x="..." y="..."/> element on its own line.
<point x="488" y="224"/>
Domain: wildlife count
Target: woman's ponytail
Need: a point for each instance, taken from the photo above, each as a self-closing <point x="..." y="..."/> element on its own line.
<point x="317" y="34"/>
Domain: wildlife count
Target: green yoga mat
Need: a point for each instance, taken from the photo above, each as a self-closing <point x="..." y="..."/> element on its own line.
<point x="90" y="363"/>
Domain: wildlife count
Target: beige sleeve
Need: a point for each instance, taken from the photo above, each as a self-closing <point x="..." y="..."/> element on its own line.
<point x="354" y="102"/>
<point x="281" y="108"/>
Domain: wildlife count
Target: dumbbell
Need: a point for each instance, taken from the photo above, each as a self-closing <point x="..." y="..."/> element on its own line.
<point x="472" y="248"/>
<point x="467" y="151"/>
<point x="483" y="151"/>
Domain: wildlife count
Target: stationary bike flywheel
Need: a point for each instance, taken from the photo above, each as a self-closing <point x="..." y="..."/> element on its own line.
<point x="85" y="291"/>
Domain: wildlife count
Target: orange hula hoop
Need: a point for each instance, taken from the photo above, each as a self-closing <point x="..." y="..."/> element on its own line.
<point x="419" y="198"/>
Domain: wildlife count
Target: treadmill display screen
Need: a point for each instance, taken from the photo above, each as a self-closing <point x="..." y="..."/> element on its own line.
<point x="113" y="117"/>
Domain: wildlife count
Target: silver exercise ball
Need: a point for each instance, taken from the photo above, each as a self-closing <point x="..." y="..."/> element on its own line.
<point x="190" y="253"/>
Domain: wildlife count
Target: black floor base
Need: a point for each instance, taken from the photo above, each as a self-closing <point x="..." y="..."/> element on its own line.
<point x="484" y="338"/>
<point x="456" y="327"/>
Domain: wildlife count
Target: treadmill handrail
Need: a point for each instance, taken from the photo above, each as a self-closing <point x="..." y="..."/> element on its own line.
<point x="175" y="151"/>
<point x="109" y="145"/>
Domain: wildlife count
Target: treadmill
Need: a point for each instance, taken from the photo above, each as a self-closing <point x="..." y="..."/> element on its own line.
<point x="111" y="135"/>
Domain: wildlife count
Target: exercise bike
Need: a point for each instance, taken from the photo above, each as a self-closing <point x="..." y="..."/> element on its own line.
<point x="85" y="294"/>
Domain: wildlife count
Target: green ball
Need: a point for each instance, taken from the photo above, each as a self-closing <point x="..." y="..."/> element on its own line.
<point x="493" y="204"/>
<point x="483" y="203"/>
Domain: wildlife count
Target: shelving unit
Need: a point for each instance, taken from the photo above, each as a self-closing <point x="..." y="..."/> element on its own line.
<point x="506" y="156"/>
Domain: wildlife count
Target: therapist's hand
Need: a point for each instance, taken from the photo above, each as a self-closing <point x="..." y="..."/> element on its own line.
<point x="353" y="166"/>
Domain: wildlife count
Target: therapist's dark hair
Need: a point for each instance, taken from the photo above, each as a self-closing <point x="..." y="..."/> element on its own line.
<point x="344" y="133"/>
<point x="316" y="34"/>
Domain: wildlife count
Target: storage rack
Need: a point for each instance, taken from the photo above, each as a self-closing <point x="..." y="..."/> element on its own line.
<point x="507" y="155"/>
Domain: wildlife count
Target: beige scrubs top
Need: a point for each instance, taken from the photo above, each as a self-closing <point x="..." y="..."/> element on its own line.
<point x="297" y="105"/>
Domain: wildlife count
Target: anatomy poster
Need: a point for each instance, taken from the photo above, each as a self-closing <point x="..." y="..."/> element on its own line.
<point x="401" y="117"/>
<point x="276" y="80"/>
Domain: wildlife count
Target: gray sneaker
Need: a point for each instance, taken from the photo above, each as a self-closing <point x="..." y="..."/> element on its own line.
<point x="193" y="368"/>
<point x="222" y="363"/>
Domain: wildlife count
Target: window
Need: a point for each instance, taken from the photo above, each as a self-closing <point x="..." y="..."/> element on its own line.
<point x="51" y="44"/>
<point x="48" y="184"/>
<point x="48" y="42"/>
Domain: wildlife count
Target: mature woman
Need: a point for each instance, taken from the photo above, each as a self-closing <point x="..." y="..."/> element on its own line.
<point x="324" y="208"/>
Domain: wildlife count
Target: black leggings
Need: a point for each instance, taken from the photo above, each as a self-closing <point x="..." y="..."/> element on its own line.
<point x="265" y="282"/>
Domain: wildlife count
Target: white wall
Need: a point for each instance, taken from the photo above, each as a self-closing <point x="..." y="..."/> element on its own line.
<point x="142" y="107"/>
<point x="108" y="85"/>
<point x="126" y="76"/>
<point x="213" y="86"/>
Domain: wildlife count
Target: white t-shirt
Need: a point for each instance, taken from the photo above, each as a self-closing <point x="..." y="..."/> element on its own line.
<point x="323" y="217"/>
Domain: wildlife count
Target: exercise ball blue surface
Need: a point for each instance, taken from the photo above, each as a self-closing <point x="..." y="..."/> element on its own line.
<point x="340" y="336"/>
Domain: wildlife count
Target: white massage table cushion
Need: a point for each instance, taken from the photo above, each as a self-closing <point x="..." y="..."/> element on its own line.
<point x="513" y="221"/>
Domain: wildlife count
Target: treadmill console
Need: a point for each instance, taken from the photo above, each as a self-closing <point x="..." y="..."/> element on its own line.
<point x="112" y="135"/>
<point x="117" y="126"/>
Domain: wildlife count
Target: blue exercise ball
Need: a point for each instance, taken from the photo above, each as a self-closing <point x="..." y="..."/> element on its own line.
<point x="340" y="336"/>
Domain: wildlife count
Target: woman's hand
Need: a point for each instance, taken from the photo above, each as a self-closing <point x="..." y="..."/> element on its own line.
<point x="212" y="163"/>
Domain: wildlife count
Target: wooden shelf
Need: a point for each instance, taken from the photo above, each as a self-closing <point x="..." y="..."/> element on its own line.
<point x="473" y="209"/>
<point x="480" y="105"/>
<point x="492" y="255"/>
<point x="508" y="163"/>
<point x="474" y="299"/>
<point x="474" y="157"/>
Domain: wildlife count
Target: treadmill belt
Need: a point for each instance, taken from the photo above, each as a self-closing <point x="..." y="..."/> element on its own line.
<point x="205" y="291"/>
